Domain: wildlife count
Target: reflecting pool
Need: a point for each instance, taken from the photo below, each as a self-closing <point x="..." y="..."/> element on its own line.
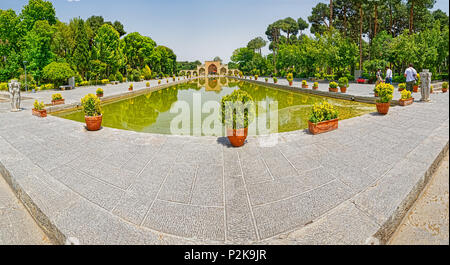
<point x="194" y="107"/>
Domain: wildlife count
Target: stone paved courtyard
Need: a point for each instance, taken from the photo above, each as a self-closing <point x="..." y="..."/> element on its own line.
<point x="349" y="186"/>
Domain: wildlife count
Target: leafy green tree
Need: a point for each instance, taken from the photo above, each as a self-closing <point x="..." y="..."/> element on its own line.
<point x="289" y="26"/>
<point x="257" y="44"/>
<point x="81" y="55"/>
<point x="63" y="41"/>
<point x="106" y="48"/>
<point x="37" y="10"/>
<point x="57" y="73"/>
<point x="37" y="47"/>
<point x="138" y="49"/>
<point x="9" y="46"/>
<point x="217" y="59"/>
<point x="119" y="27"/>
<point x="319" y="18"/>
<point x="302" y="25"/>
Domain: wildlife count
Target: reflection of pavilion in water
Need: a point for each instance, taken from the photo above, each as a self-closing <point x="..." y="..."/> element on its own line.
<point x="211" y="68"/>
<point x="212" y="83"/>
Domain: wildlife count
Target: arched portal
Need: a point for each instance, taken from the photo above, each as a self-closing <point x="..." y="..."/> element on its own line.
<point x="236" y="72"/>
<point x="201" y="71"/>
<point x="212" y="69"/>
<point x="223" y="71"/>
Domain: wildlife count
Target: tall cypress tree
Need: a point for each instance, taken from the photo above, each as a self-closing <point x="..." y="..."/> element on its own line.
<point x="81" y="53"/>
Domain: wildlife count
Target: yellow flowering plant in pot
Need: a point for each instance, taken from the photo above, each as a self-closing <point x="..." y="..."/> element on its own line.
<point x="99" y="92"/>
<point x="57" y="99"/>
<point x="332" y="87"/>
<point x="304" y="84"/>
<point x="92" y="112"/>
<point x="385" y="93"/>
<point x="290" y="78"/>
<point x="323" y="118"/>
<point x="406" y="98"/>
<point x="39" y="109"/>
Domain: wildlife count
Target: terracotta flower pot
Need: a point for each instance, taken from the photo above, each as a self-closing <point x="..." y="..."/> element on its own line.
<point x="93" y="123"/>
<point x="237" y="136"/>
<point x="444" y="90"/>
<point x="39" y="113"/>
<point x="343" y="89"/>
<point x="405" y="102"/>
<point x="290" y="83"/>
<point x="323" y="126"/>
<point x="277" y="82"/>
<point x="400" y="89"/>
<point x="315" y="87"/>
<point x="58" y="102"/>
<point x="256" y="78"/>
<point x="415" y="89"/>
<point x="130" y="89"/>
<point x="99" y="95"/>
<point x="383" y="108"/>
<point x="333" y="89"/>
<point x="304" y="86"/>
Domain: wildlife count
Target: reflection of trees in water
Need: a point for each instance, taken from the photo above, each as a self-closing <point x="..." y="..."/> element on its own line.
<point x="140" y="112"/>
<point x="202" y="81"/>
<point x="223" y="81"/>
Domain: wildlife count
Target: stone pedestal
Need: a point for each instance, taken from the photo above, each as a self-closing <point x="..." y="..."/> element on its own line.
<point x="425" y="85"/>
<point x="72" y="82"/>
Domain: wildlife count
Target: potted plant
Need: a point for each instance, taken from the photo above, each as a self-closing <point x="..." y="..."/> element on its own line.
<point x="332" y="87"/>
<point x="130" y="88"/>
<point x="385" y="93"/>
<point x="256" y="77"/>
<point x="361" y="81"/>
<point x="343" y="84"/>
<point x="275" y="80"/>
<point x="416" y="85"/>
<point x="323" y="118"/>
<point x="290" y="78"/>
<point x="99" y="92"/>
<point x="92" y="112"/>
<point x="444" y="87"/>
<point x="431" y="89"/>
<point x="267" y="79"/>
<point x="167" y="81"/>
<point x="159" y="82"/>
<point x="39" y="109"/>
<point x="406" y="98"/>
<point x="57" y="99"/>
<point x="401" y="86"/>
<point x="173" y="78"/>
<point x="304" y="84"/>
<point x="147" y="84"/>
<point x="316" y="85"/>
<point x="238" y="111"/>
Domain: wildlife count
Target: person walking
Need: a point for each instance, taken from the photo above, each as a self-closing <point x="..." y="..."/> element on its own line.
<point x="379" y="77"/>
<point x="388" y="75"/>
<point x="411" y="77"/>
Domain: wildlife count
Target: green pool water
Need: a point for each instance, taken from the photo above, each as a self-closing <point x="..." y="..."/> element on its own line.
<point x="151" y="113"/>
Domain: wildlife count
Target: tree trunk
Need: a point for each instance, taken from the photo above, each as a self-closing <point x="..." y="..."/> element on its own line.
<point x="360" y="35"/>
<point x="331" y="14"/>
<point x="375" y="21"/>
<point x="390" y="19"/>
<point x="411" y="17"/>
<point x="345" y="21"/>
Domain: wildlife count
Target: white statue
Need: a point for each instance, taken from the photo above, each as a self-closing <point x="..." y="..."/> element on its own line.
<point x="14" y="95"/>
<point x="425" y="85"/>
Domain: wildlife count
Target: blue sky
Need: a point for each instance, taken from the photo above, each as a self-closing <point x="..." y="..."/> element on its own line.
<point x="194" y="29"/>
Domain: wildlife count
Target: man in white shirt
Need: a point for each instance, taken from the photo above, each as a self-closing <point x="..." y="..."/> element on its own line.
<point x="388" y="75"/>
<point x="411" y="76"/>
